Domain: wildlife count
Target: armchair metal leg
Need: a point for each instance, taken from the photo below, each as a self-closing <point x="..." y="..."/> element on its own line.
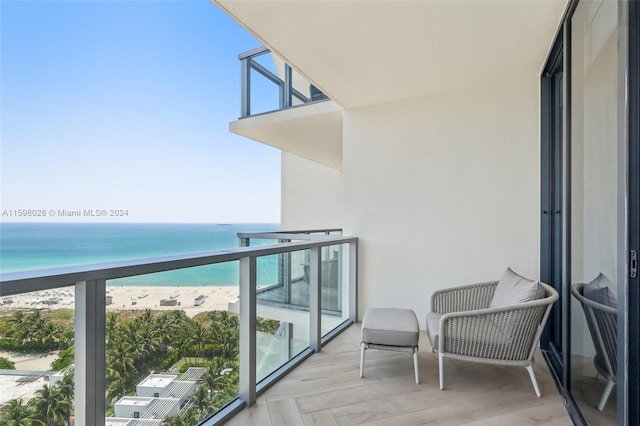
<point x="441" y="369"/>
<point x="363" y="347"/>
<point x="415" y="365"/>
<point x="533" y="380"/>
<point x="605" y="395"/>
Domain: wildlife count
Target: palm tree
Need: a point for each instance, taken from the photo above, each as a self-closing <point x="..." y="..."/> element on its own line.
<point x="116" y="388"/>
<point x="49" y="334"/>
<point x="163" y="327"/>
<point x="120" y="363"/>
<point x="35" y="325"/>
<point x="50" y="407"/>
<point x="111" y="325"/>
<point x="202" y="401"/>
<point x="178" y="318"/>
<point x="17" y="414"/>
<point x="17" y="321"/>
<point x="147" y="316"/>
<point x="148" y="340"/>
<point x="200" y="336"/>
<point x="22" y="324"/>
<point x="186" y="418"/>
<point x="185" y="339"/>
<point x="66" y="388"/>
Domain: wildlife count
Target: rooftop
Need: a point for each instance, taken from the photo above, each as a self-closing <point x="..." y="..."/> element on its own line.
<point x="193" y="373"/>
<point x="179" y="389"/>
<point x="158" y="380"/>
<point x="161" y="408"/>
<point x="117" y="421"/>
<point x="135" y="400"/>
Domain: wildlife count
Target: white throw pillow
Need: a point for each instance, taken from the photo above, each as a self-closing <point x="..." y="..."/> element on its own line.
<point x="513" y="289"/>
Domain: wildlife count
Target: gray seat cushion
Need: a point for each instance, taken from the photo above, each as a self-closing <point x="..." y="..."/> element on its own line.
<point x="390" y="327"/>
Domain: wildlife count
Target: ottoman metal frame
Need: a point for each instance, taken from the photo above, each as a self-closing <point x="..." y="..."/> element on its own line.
<point x="390" y="329"/>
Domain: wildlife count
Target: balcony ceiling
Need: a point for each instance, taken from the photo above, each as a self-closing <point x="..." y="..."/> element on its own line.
<point x="372" y="52"/>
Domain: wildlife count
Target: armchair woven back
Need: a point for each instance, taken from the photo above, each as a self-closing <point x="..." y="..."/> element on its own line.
<point x="602" y="323"/>
<point x="471" y="330"/>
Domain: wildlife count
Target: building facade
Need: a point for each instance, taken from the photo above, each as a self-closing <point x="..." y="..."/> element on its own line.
<point x="462" y="138"/>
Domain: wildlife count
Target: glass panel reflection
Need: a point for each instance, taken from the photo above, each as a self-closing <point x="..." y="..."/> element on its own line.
<point x="282" y="309"/>
<point x="334" y="288"/>
<point x="172" y="345"/>
<point x="594" y="215"/>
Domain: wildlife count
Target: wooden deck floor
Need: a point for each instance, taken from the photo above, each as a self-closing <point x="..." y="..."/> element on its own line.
<point x="326" y="390"/>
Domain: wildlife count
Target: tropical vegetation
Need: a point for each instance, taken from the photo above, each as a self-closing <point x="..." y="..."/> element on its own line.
<point x="7" y="364"/>
<point x="137" y="343"/>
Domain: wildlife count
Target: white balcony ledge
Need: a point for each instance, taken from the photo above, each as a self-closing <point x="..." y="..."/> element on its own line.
<point x="312" y="131"/>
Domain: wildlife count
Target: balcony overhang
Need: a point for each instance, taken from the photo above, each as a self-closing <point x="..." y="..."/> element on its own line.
<point x="312" y="131"/>
<point x="369" y="53"/>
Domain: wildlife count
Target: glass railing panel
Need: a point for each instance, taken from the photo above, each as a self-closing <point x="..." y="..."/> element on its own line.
<point x="37" y="356"/>
<point x="334" y="286"/>
<point x="283" y="280"/>
<point x="303" y="91"/>
<point x="172" y="343"/>
<point x="181" y="326"/>
<point x="262" y="241"/>
<point x="265" y="94"/>
<point x="270" y="77"/>
<point x="282" y="310"/>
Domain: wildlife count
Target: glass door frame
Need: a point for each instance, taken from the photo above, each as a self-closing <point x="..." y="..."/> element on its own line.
<point x="558" y="358"/>
<point x="551" y="238"/>
<point x="629" y="125"/>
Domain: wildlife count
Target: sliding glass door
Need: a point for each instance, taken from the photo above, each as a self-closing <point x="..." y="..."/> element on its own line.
<point x="595" y="206"/>
<point x="590" y="209"/>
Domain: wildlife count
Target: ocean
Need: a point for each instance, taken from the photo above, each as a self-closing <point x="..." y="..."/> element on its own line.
<point x="29" y="246"/>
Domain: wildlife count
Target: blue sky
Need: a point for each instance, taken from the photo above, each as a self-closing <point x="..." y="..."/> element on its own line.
<point x="125" y="105"/>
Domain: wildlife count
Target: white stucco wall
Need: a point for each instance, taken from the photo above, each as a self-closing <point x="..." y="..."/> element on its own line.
<point x="442" y="191"/>
<point x="311" y="194"/>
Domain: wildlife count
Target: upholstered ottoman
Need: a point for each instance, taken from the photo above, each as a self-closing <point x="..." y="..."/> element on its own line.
<point x="390" y="329"/>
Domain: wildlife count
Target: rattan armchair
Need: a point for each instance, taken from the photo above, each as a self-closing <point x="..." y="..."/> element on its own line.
<point x="602" y="323"/>
<point x="462" y="326"/>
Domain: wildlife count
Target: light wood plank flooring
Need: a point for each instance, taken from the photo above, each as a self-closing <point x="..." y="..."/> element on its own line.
<point x="326" y="390"/>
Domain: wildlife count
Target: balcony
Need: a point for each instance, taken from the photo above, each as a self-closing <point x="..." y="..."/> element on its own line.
<point x="326" y="390"/>
<point x="280" y="108"/>
<point x="207" y="363"/>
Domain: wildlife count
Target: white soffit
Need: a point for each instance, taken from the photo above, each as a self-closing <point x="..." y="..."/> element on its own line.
<point x="370" y="52"/>
<point x="312" y="131"/>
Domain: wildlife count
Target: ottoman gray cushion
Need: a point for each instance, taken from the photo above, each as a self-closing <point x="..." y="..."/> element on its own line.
<point x="390" y="327"/>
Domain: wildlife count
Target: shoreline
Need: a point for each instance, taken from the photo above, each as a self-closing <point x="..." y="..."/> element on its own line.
<point x="134" y="298"/>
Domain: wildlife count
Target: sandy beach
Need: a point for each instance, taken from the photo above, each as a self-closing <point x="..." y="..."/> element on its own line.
<point x="134" y="297"/>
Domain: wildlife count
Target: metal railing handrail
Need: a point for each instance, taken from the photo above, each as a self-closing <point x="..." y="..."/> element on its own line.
<point x="298" y="234"/>
<point x="254" y="52"/>
<point x="12" y="283"/>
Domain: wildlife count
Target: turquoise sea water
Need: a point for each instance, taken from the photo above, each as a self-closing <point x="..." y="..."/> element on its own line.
<point x="29" y="246"/>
